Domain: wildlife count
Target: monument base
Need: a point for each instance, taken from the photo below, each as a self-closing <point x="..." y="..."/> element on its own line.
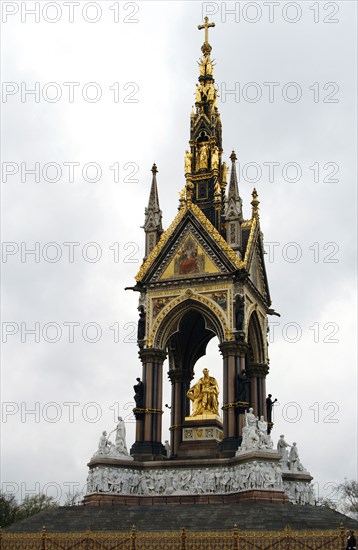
<point x="147" y="451"/>
<point x="255" y="476"/>
<point x="105" y="499"/>
<point x="201" y="436"/>
<point x="229" y="446"/>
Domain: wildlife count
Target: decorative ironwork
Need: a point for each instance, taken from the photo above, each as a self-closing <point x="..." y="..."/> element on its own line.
<point x="244" y="404"/>
<point x="147" y="411"/>
<point x="233" y="539"/>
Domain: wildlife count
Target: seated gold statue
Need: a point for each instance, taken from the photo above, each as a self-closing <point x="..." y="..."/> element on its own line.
<point x="204" y="395"/>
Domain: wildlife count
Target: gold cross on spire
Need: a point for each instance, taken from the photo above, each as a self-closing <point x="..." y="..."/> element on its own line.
<point x="206" y="27"/>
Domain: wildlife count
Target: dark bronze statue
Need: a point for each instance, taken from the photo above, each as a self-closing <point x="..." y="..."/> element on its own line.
<point x="239" y="313"/>
<point x="269" y="405"/>
<point x="243" y="388"/>
<point x="139" y="393"/>
<point x="141" y="324"/>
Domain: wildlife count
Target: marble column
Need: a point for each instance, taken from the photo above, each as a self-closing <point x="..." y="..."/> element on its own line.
<point x="148" y="444"/>
<point x="257" y="373"/>
<point x="233" y="353"/>
<point x="180" y="380"/>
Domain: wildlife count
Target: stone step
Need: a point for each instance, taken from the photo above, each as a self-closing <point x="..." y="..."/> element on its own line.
<point x="205" y="517"/>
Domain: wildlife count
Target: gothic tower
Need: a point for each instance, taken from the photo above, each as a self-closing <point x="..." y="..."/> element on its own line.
<point x="203" y="277"/>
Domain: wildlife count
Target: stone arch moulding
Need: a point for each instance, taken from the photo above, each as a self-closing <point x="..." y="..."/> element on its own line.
<point x="255" y="338"/>
<point x="168" y="321"/>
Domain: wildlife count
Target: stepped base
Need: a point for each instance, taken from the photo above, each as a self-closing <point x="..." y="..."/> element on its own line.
<point x="102" y="499"/>
<point x="254" y="476"/>
<point x="264" y="517"/>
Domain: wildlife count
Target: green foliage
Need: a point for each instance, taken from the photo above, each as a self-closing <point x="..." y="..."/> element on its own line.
<point x="73" y="499"/>
<point x="349" y="492"/>
<point x="8" y="509"/>
<point x="33" y="504"/>
<point x="327" y="503"/>
<point x="11" y="511"/>
<point x="346" y="501"/>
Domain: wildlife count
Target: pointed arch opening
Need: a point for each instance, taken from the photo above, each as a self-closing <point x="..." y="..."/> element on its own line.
<point x="184" y="334"/>
<point x="255" y="340"/>
<point x="172" y="320"/>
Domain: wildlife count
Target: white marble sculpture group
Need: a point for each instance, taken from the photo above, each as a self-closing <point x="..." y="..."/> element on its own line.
<point x="255" y="473"/>
<point x="107" y="449"/>
<point x="299" y="493"/>
<point x="254" y="434"/>
<point x="241" y="477"/>
<point x="289" y="461"/>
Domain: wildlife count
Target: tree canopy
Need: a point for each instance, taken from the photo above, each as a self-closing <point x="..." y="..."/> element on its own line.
<point x="11" y="510"/>
<point x="346" y="500"/>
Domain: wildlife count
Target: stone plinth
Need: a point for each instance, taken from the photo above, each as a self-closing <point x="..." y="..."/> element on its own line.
<point x="102" y="499"/>
<point x="297" y="486"/>
<point x="256" y="476"/>
<point x="201" y="436"/>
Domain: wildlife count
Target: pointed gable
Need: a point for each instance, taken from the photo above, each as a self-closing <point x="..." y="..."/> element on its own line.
<point x="190" y="234"/>
<point x="254" y="257"/>
<point x="190" y="260"/>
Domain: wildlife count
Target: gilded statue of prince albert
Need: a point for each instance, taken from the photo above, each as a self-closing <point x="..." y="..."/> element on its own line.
<point x="204" y="395"/>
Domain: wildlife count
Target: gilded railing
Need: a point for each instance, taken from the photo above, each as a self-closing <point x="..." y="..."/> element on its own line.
<point x="234" y="539"/>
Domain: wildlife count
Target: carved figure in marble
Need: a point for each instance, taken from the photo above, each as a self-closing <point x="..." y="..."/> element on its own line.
<point x="219" y="480"/>
<point x="167" y="448"/>
<point x="254" y="434"/>
<point x="282" y="450"/>
<point x="265" y="441"/>
<point x="107" y="449"/>
<point x="294" y="459"/>
<point x="300" y="492"/>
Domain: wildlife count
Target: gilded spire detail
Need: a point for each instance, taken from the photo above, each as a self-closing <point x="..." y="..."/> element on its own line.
<point x="206" y="48"/>
<point x="255" y="204"/>
<point x="205" y="172"/>
<point x="181" y="199"/>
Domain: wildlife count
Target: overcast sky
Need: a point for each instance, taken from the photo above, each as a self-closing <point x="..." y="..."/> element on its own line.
<point x="130" y="70"/>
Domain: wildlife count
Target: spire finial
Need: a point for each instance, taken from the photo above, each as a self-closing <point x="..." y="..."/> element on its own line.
<point x="255" y="204"/>
<point x="206" y="48"/>
<point x="206" y="26"/>
<point x="233" y="186"/>
<point x="153" y="203"/>
<point x="153" y="216"/>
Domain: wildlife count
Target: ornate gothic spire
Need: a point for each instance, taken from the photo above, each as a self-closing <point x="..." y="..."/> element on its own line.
<point x="153" y="203"/>
<point x="153" y="216"/>
<point x="205" y="173"/>
<point x="233" y="210"/>
<point x="233" y="192"/>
